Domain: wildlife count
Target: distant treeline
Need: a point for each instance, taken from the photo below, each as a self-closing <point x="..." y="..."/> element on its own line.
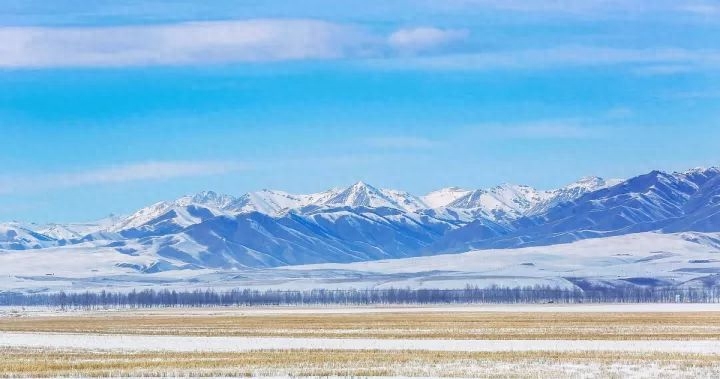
<point x="150" y="298"/>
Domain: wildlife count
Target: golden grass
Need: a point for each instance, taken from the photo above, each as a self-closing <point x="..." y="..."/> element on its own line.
<point x="451" y="325"/>
<point x="17" y="362"/>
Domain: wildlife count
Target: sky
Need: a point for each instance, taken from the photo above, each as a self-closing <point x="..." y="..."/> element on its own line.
<point x="109" y="106"/>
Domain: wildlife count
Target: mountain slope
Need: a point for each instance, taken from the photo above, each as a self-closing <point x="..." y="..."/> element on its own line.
<point x="16" y="236"/>
<point x="326" y="235"/>
<point x="644" y="203"/>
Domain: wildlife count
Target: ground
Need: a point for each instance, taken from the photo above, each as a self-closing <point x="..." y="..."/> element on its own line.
<point x="515" y="341"/>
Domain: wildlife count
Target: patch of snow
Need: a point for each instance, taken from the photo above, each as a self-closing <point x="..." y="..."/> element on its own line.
<point x="238" y="344"/>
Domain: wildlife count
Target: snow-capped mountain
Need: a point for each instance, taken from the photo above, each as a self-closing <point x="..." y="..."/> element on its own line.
<point x="570" y="193"/>
<point x="208" y="199"/>
<point x="443" y="197"/>
<point x="273" y="202"/>
<point x="654" y="201"/>
<point x="702" y="209"/>
<point x="503" y="203"/>
<point x="329" y="235"/>
<point x="74" y="231"/>
<point x="508" y="202"/>
<point x="362" y="222"/>
<point x="364" y="195"/>
<point x="165" y="217"/>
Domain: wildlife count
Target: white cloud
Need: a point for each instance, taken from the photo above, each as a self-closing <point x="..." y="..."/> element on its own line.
<point x="258" y="40"/>
<point x="400" y="143"/>
<point x="185" y="43"/>
<point x="557" y="57"/>
<point x="425" y="38"/>
<point x="144" y="171"/>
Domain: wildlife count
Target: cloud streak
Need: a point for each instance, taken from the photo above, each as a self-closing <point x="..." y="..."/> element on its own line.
<point x="644" y="60"/>
<point x="196" y="43"/>
<point x="181" y="44"/>
<point x="425" y="38"/>
<point x="133" y="172"/>
<point x="273" y="40"/>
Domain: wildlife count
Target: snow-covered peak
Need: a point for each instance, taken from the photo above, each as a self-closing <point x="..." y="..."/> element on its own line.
<point x="506" y="201"/>
<point x="206" y="198"/>
<point x="267" y="201"/>
<point x="405" y="200"/>
<point x="701" y="170"/>
<point x="588" y="182"/>
<point x="143" y="216"/>
<point x="444" y="196"/>
<point x="571" y="192"/>
<point x="362" y="194"/>
<point x="503" y="202"/>
<point x="519" y="197"/>
<point x="697" y="176"/>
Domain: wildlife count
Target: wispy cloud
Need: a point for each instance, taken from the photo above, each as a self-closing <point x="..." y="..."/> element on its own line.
<point x="425" y="38"/>
<point x="557" y="57"/>
<point x="184" y="43"/>
<point x="268" y="40"/>
<point x="259" y="40"/>
<point x="400" y="142"/>
<point x="133" y="172"/>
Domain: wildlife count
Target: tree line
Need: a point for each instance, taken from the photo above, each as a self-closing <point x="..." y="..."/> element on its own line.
<point x="149" y="298"/>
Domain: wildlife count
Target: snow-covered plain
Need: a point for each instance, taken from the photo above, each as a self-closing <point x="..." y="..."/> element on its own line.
<point x="237" y="344"/>
<point x="681" y="259"/>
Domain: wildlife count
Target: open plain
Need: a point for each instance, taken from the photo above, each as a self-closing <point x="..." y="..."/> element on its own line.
<point x="509" y="341"/>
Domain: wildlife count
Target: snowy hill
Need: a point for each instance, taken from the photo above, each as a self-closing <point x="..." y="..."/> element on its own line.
<point x="678" y="260"/>
<point x="16" y="236"/>
<point x="645" y="259"/>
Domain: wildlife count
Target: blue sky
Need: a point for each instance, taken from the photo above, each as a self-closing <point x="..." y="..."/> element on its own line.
<point x="109" y="106"/>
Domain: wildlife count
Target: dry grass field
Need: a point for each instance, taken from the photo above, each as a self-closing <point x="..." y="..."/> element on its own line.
<point x="45" y="363"/>
<point x="451" y="325"/>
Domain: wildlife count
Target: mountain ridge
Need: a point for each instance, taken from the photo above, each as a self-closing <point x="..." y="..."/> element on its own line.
<point x="270" y="228"/>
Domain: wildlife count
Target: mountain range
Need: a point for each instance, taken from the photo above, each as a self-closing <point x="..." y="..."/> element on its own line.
<point x="363" y="223"/>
